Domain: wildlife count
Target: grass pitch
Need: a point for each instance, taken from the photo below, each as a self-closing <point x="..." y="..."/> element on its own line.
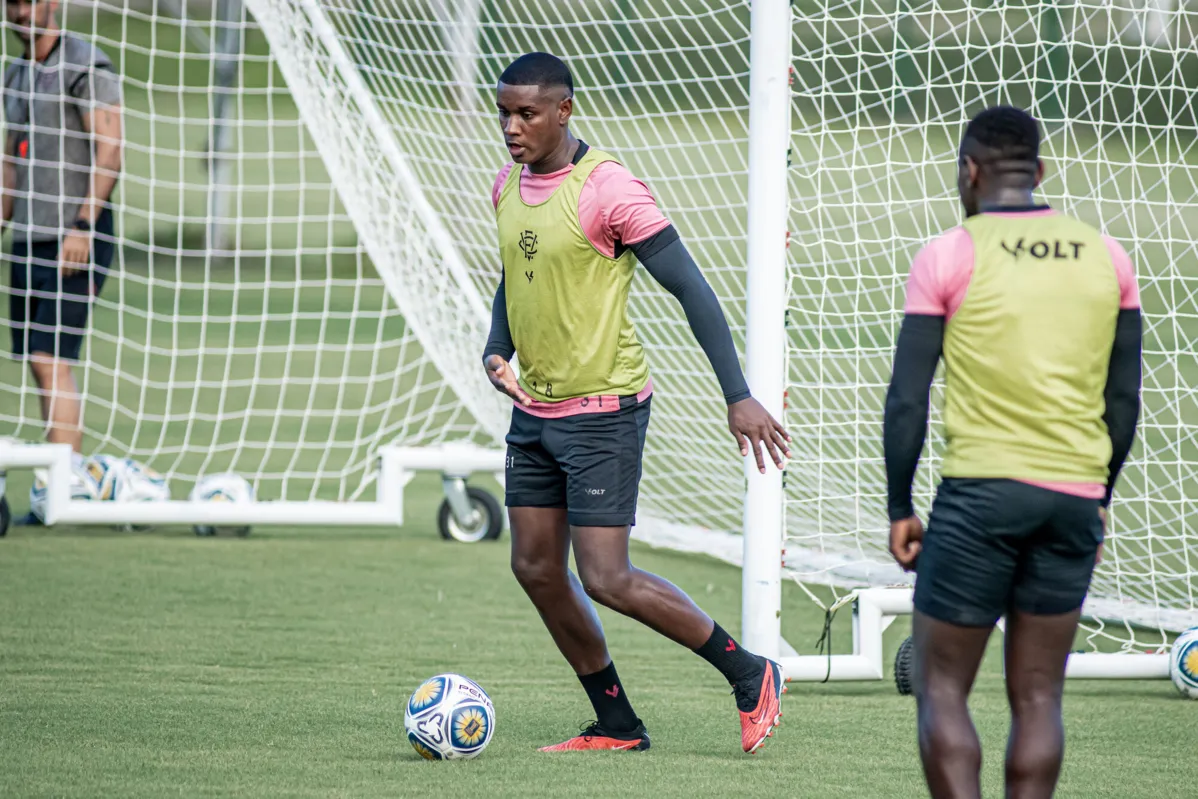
<point x="158" y="664"/>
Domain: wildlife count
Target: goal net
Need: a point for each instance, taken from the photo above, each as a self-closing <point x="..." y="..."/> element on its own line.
<point x="306" y="246"/>
<point x="881" y="95"/>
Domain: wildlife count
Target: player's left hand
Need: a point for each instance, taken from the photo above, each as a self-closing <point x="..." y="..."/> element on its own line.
<point x="752" y="425"/>
<point x="75" y="252"/>
<point x="906" y="541"/>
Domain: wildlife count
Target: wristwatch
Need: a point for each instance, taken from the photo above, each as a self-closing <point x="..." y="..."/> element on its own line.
<point x="82" y="224"/>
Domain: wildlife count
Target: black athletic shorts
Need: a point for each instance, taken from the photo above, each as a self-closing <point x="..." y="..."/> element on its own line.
<point x="589" y="463"/>
<point x="996" y="545"/>
<point x="48" y="313"/>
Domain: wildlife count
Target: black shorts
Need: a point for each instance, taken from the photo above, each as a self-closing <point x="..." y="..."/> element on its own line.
<point x="996" y="545"/>
<point x="589" y="464"/>
<point x="48" y="313"/>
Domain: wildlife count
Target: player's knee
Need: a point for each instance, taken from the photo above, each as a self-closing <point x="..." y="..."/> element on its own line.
<point x="536" y="574"/>
<point x="1042" y="701"/>
<point x="48" y="371"/>
<point x="607" y="586"/>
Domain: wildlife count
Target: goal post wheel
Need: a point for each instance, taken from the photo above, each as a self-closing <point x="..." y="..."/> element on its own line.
<point x="903" y="666"/>
<point x="468" y="514"/>
<point x="5" y="516"/>
<point x="208" y="531"/>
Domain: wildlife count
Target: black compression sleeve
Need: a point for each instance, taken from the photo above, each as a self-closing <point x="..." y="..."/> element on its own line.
<point x="667" y="260"/>
<point x="499" y="342"/>
<point x="905" y="422"/>
<point x="1122" y="392"/>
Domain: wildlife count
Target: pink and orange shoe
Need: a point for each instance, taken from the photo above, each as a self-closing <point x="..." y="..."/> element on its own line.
<point x="758" y="725"/>
<point x="595" y="738"/>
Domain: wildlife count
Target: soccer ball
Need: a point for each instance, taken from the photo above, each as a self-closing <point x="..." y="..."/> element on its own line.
<point x="125" y="480"/>
<point x="1183" y="663"/>
<point x="222" y="488"/>
<point x="449" y="718"/>
<point x="137" y="482"/>
<point x="83" y="487"/>
<point x="104" y="472"/>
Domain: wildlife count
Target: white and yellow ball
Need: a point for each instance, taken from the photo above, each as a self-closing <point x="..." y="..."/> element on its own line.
<point x="226" y="487"/>
<point x="140" y="483"/>
<point x="1183" y="663"/>
<point x="449" y="717"/>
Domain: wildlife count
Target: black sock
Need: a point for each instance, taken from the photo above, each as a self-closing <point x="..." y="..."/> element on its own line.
<point x="612" y="709"/>
<point x="723" y="652"/>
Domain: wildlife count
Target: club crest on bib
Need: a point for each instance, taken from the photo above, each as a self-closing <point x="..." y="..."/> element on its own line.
<point x="528" y="244"/>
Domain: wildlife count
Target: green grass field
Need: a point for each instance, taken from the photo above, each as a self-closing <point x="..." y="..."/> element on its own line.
<point x="158" y="664"/>
<point x="155" y="664"/>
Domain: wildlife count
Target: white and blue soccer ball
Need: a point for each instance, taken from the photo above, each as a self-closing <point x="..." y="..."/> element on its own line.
<point x="105" y="472"/>
<point x="1183" y="663"/>
<point x="83" y="487"/>
<point x="139" y="483"/>
<point x="226" y="487"/>
<point x="126" y="480"/>
<point x="449" y="717"/>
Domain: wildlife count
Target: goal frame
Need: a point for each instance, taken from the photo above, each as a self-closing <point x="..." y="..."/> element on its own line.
<point x="761" y="547"/>
<point x="873" y="609"/>
<point x="455" y="462"/>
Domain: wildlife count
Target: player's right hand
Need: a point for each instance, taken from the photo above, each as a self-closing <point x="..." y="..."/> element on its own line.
<point x="906" y="541"/>
<point x="500" y="373"/>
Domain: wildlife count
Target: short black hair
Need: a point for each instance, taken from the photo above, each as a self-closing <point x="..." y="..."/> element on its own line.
<point x="1002" y="133"/>
<point x="538" y="69"/>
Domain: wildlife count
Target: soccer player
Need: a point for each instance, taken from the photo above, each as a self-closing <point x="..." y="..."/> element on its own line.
<point x="1037" y="318"/>
<point x="573" y="222"/>
<point x="61" y="160"/>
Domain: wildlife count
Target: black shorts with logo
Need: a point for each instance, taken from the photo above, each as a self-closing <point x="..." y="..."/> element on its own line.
<point x="48" y="312"/>
<point x="995" y="545"/>
<point x="589" y="463"/>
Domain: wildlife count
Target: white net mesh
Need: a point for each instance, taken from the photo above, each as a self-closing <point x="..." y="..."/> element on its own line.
<point x="243" y="327"/>
<point x="881" y="95"/>
<point x="328" y="291"/>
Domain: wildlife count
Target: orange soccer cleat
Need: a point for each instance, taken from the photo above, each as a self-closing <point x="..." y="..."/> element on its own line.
<point x="595" y="738"/>
<point x="758" y="725"/>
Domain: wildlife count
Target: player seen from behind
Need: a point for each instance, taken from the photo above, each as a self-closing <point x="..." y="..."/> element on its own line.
<point x="1037" y="318"/>
<point x="573" y="223"/>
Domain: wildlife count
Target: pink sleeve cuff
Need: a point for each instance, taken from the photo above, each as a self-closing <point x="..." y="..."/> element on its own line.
<point x="616" y="206"/>
<point x="1129" y="292"/>
<point x="940" y="275"/>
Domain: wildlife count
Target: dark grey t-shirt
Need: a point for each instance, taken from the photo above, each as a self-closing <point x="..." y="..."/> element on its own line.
<point x="44" y="104"/>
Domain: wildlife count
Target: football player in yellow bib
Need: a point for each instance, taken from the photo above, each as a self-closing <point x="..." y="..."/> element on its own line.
<point x="1037" y="318"/>
<point x="573" y="224"/>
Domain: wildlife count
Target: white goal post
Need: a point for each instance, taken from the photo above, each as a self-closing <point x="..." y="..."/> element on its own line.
<point x="311" y="313"/>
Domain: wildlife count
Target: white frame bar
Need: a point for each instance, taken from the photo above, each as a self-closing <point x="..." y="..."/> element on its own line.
<point x="766" y="295"/>
<point x="875" y="608"/>
<point x="397" y="466"/>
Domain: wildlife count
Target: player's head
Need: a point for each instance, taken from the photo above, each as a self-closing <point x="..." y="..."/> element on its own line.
<point x="999" y="157"/>
<point x="535" y="98"/>
<point x="28" y="19"/>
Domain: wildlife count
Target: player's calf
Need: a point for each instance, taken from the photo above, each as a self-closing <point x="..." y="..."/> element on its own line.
<point x="62" y="406"/>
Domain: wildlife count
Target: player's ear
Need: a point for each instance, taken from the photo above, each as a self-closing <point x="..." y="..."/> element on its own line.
<point x="970" y="170"/>
<point x="1039" y="173"/>
<point x="565" y="110"/>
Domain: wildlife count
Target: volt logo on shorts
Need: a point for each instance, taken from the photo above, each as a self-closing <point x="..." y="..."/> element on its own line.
<point x="595" y="492"/>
